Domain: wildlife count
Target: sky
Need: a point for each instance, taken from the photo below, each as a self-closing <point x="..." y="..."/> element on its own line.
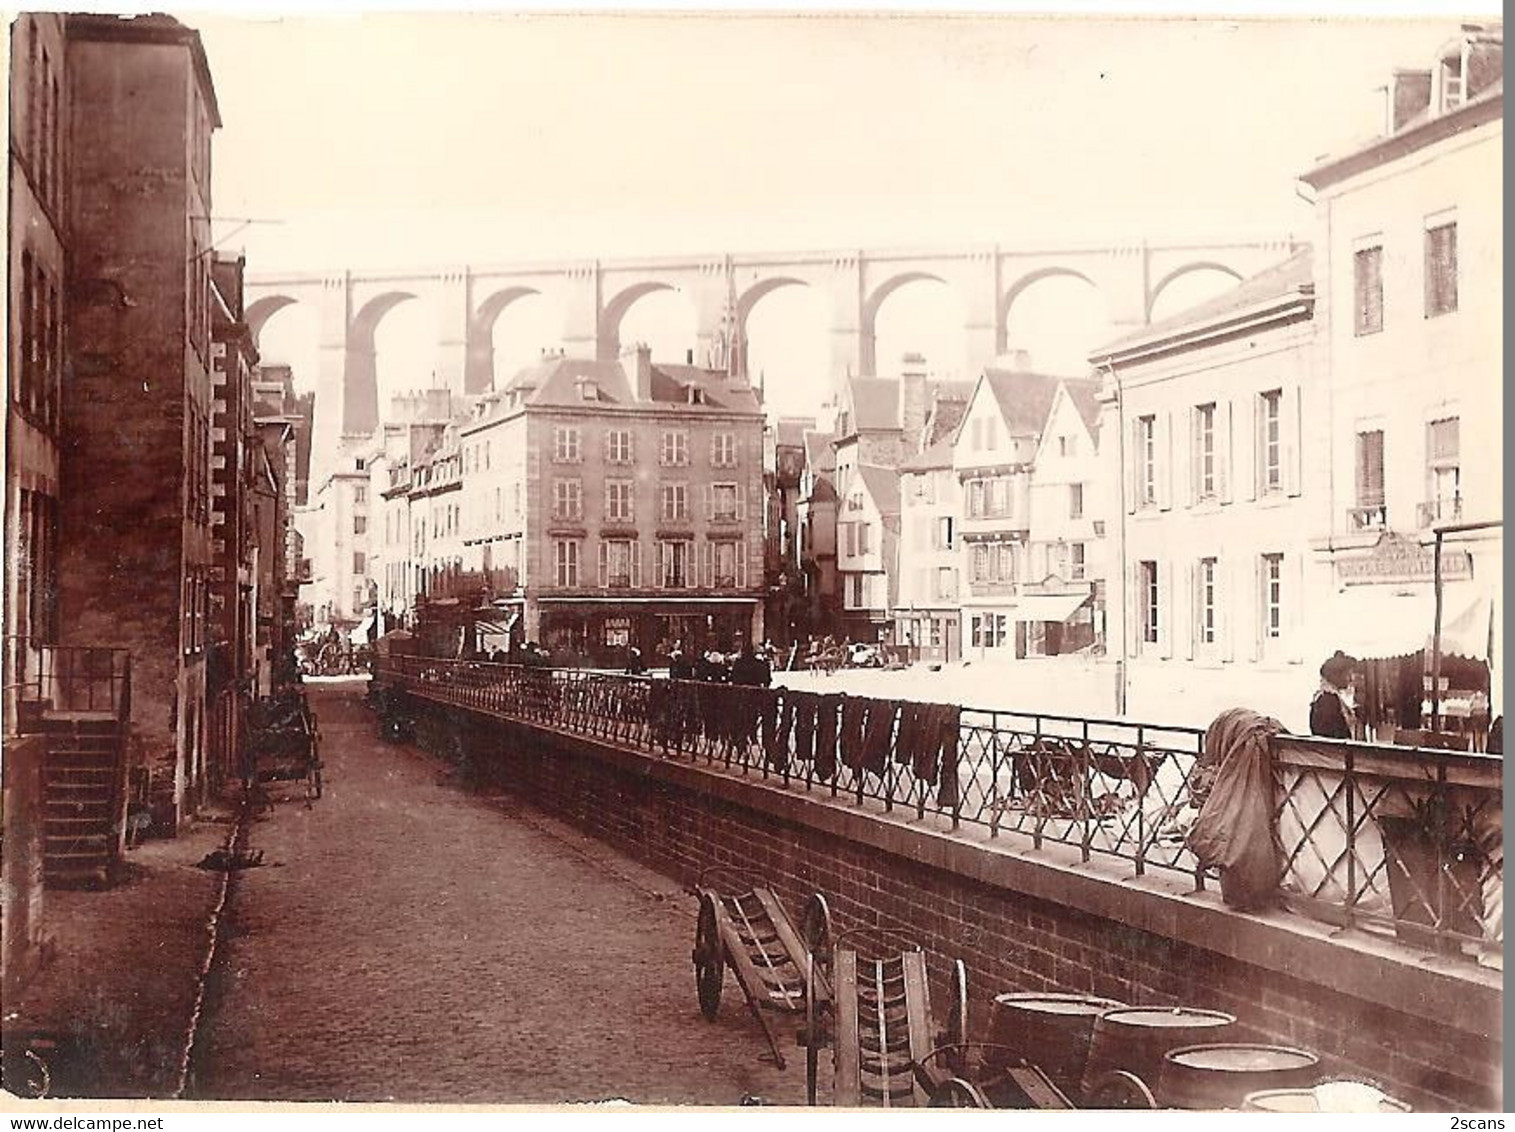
<point x="391" y="140"/>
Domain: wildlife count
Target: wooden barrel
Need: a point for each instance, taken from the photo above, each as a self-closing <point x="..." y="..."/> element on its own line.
<point x="1050" y="1031"/>
<point x="1210" y="1078"/>
<point x="1135" y="1038"/>
<point x="1304" y="1100"/>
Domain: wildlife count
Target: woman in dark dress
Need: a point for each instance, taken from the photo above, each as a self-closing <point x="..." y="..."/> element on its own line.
<point x="1330" y="715"/>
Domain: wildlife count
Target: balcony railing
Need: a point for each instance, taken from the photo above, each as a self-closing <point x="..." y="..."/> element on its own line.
<point x="1373" y="518"/>
<point x="1368" y="835"/>
<point x="1439" y="511"/>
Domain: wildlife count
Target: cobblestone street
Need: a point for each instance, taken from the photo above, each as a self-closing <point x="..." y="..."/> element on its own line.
<point x="407" y="940"/>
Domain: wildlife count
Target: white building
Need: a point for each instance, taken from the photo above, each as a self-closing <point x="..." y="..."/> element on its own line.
<point x="1208" y="602"/>
<point x="927" y="616"/>
<point x="1409" y="266"/>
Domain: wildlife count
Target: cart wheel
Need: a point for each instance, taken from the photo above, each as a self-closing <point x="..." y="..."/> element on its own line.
<point x="815" y="928"/>
<point x="1119" y="1089"/>
<point x="709" y="963"/>
<point x="954" y="1092"/>
<point x="957" y="1015"/>
<point x="812" y="1033"/>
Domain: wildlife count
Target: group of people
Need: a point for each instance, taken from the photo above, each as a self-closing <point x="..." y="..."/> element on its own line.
<point x="751" y="667"/>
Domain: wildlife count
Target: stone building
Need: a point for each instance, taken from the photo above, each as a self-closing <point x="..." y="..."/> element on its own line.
<point x="134" y="508"/>
<point x="230" y="661"/>
<point x="816" y="512"/>
<point x="1409" y="284"/>
<point x="629" y="506"/>
<point x="927" y="613"/>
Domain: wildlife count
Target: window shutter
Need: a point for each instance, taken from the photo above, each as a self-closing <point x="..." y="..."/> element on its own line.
<point x="709" y="502"/>
<point x="1293" y="440"/>
<point x="1223" y="446"/>
<point x="1196" y="460"/>
<point x="1258" y="583"/>
<point x="1191" y="629"/>
<point x="636" y="565"/>
<point x="706" y="566"/>
<point x="1133" y="468"/>
<point x="1133" y="600"/>
<point x="741" y="563"/>
<point x="1224" y="623"/>
<point x="715" y="449"/>
<point x="1294" y="610"/>
<point x="1165" y="461"/>
<point x="604" y="564"/>
<point x="660" y="564"/>
<point x="741" y="502"/>
<point x="1245" y="438"/>
<point x="1167" y="623"/>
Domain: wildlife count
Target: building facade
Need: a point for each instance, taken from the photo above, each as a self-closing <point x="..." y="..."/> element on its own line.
<point x="1409" y="272"/>
<point x="135" y="493"/>
<point x="927" y="616"/>
<point x="1219" y="410"/>
<point x="630" y="499"/>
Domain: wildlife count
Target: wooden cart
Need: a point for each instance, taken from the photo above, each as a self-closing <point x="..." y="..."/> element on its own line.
<point x="880" y="1019"/>
<point x="743" y="926"/>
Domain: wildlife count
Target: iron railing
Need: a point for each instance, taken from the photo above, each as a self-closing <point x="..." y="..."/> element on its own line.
<point x="1403" y="838"/>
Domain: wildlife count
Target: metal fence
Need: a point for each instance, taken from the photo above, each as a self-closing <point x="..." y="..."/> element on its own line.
<point x="1121" y="790"/>
<point x="80" y="679"/>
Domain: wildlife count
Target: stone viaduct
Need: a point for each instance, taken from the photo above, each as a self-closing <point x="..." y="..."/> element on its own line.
<point x="723" y="289"/>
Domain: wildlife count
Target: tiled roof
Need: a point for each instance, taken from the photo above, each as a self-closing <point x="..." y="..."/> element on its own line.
<point x="556" y="381"/>
<point x="1084" y="394"/>
<point x="1293" y="275"/>
<point x="790" y="432"/>
<point x="875" y="401"/>
<point x="883" y="485"/>
<point x="939" y="455"/>
<point x="819" y="455"/>
<point x="1024" y="399"/>
<point x="945" y="417"/>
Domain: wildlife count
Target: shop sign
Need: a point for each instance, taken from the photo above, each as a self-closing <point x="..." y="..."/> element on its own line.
<point x="1395" y="558"/>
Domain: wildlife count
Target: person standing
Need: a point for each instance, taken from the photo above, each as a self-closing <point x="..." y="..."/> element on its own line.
<point x="1331" y="714"/>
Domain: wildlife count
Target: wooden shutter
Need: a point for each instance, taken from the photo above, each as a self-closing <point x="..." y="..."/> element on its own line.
<point x="741" y="502"/>
<point x="1245" y="441"/>
<point x="1195" y="469"/>
<point x="706" y="566"/>
<point x="1164" y="425"/>
<point x="742" y="552"/>
<point x="709" y="502"/>
<point x="1257" y="604"/>
<point x="1223" y="448"/>
<point x="1134" y="600"/>
<point x="1167" y="623"/>
<point x="1133" y="467"/>
<point x="636" y="564"/>
<point x="1294" y="610"/>
<point x="604" y="564"/>
<point x="1292" y="426"/>
<point x="1194" y="621"/>
<point x="1225" y="614"/>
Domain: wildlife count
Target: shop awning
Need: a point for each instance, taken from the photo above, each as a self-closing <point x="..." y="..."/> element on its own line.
<point x="1381" y="622"/>
<point x="1047" y="607"/>
<point x="359" y="636"/>
<point x="497" y="627"/>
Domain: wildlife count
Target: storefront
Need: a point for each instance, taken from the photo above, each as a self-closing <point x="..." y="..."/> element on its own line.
<point x="601" y="634"/>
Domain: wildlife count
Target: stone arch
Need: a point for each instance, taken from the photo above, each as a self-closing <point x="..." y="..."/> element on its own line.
<point x="868" y="346"/>
<point x="761" y="290"/>
<point x="615" y="310"/>
<point x="481" y="361"/>
<point x="259" y="311"/>
<point x="1187" y="269"/>
<point x="360" y="384"/>
<point x="1029" y="280"/>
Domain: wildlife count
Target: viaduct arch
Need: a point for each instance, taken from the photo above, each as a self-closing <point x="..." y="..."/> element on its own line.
<point x="723" y="290"/>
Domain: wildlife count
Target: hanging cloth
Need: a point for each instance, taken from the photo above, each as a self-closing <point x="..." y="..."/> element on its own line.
<point x="804" y="724"/>
<point x="854" y="723"/>
<point x="826" y="737"/>
<point x="1236" y="829"/>
<point x="948" y="732"/>
<point x="877" y="735"/>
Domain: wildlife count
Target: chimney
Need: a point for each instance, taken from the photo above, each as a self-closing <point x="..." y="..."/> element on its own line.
<point x="912" y="398"/>
<point x="1408" y="93"/>
<point x="636" y="361"/>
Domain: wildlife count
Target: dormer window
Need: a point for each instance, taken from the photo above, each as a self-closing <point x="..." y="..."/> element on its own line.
<point x="1450" y="73"/>
<point x="696" y="395"/>
<point x="589" y="391"/>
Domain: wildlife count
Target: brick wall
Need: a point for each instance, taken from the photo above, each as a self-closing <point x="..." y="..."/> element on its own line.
<point x="1009" y="940"/>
